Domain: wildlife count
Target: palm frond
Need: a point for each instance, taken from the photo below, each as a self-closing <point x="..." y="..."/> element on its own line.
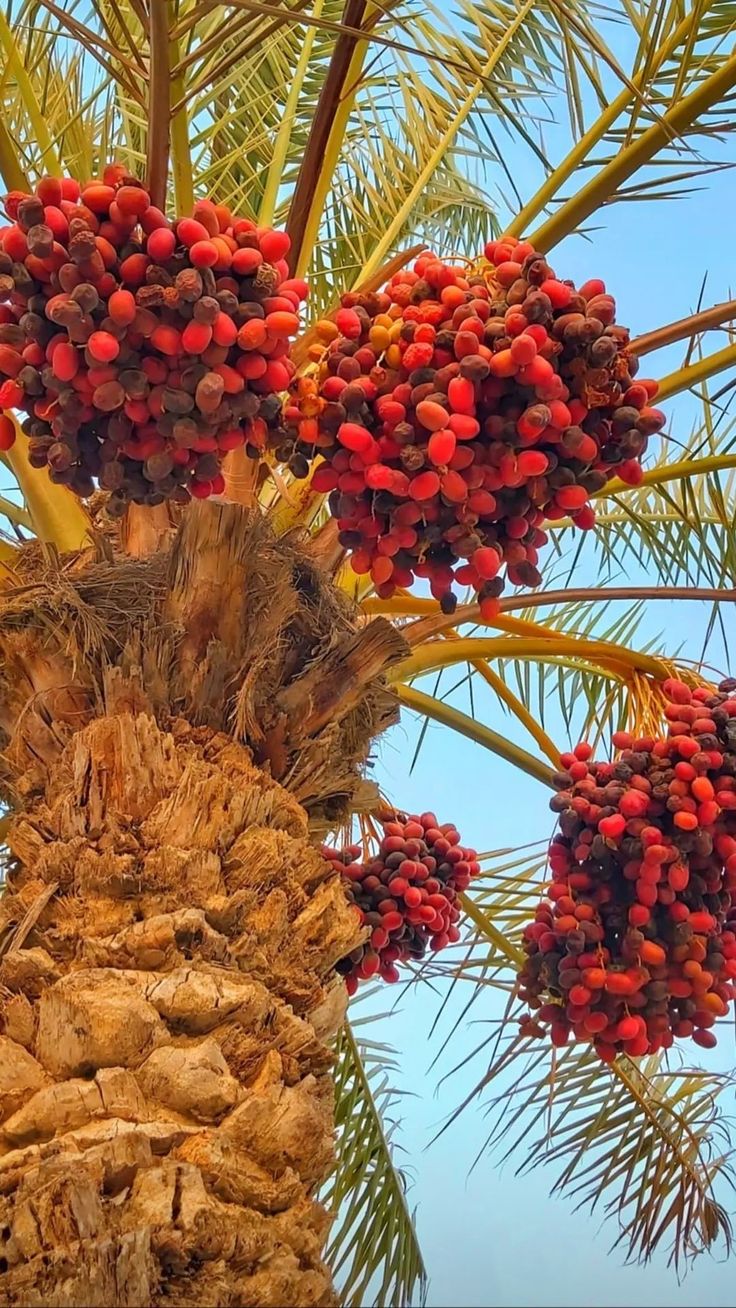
<point x="679" y="530"/>
<point x="591" y="698"/>
<point x="578" y="667"/>
<point x="588" y="669"/>
<point x="636" y="1143"/>
<point x="657" y="116"/>
<point x="374" y="1251"/>
<point x="435" y="709"/>
<point x="416" y="125"/>
<point x="643" y="1144"/>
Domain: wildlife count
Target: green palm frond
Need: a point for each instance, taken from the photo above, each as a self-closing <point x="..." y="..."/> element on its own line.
<point x="432" y="94"/>
<point x="642" y="1144"/>
<point x="372" y="186"/>
<point x="374" y="1251"/>
<point x="681" y="535"/>
<point x="415" y="145"/>
<point x="680" y="531"/>
<point x="65" y="104"/>
<point x="639" y="1144"/>
<point x="588" y="698"/>
<point x="654" y="129"/>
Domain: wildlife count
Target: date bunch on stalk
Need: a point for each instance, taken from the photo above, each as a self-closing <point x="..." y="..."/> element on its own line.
<point x="461" y="408"/>
<point x="407" y="894"/>
<point x="141" y="348"/>
<point x="634" y="945"/>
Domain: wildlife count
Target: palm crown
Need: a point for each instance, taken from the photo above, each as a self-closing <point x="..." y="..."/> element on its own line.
<point x="371" y="131"/>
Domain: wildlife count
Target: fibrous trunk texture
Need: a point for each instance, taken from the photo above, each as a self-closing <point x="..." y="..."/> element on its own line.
<point x="169" y="929"/>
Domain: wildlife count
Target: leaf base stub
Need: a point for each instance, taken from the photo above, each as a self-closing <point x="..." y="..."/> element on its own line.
<point x="226" y="626"/>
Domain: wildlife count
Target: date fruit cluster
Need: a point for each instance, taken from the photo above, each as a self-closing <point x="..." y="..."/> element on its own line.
<point x="634" y="946"/>
<point x="141" y="349"/>
<point x="461" y="408"/>
<point x="407" y="894"/>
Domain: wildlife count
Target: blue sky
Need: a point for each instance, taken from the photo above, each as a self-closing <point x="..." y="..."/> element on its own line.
<point x="490" y="1238"/>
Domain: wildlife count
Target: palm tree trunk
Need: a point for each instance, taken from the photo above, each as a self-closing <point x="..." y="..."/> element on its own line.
<point x="169" y="929"/>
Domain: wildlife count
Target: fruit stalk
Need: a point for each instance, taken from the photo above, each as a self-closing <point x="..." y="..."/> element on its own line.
<point x="676" y="471"/>
<point x="181" y="156"/>
<point x="684" y="327"/>
<point x="159" y="105"/>
<point x="334" y="105"/>
<point x="699" y="371"/>
<point x="10" y="169"/>
<point x="413" y="605"/>
<point x="438" y="711"/>
<point x="442" y="654"/>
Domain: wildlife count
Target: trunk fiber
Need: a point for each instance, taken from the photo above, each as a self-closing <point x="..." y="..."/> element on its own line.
<point x="177" y="731"/>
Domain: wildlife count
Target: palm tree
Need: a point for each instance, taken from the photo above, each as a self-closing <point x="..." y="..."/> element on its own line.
<point x="189" y="698"/>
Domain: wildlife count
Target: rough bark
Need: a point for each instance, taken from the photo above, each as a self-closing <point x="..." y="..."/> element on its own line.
<point x="169" y="930"/>
<point x="166" y="1102"/>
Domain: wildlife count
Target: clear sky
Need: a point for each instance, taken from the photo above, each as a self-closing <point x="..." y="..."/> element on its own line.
<point x="490" y="1238"/>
